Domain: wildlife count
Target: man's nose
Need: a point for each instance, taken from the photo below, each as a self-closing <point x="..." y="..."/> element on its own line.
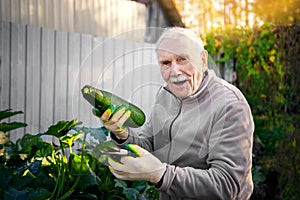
<point x="175" y="68"/>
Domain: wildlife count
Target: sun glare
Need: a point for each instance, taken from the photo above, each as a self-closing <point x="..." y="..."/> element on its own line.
<point x="207" y="14"/>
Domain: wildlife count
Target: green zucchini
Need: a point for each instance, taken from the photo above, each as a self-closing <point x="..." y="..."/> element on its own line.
<point x="102" y="100"/>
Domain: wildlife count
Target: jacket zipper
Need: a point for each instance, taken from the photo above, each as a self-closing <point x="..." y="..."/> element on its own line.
<point x="170" y="130"/>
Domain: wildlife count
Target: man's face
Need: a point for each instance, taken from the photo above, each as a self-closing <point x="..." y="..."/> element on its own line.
<point x="180" y="65"/>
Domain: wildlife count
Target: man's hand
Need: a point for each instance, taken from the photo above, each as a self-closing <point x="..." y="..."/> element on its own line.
<point x="113" y="119"/>
<point x="144" y="167"/>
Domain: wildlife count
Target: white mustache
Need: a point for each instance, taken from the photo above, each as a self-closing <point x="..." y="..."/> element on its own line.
<point x="179" y="78"/>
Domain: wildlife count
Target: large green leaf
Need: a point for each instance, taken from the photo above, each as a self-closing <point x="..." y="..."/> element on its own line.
<point x="78" y="163"/>
<point x="61" y="128"/>
<point x="29" y="145"/>
<point x="7" y="113"/>
<point x="130" y="193"/>
<point x="98" y="150"/>
<point x="5" y="127"/>
<point x="37" y="194"/>
<point x="98" y="134"/>
<point x="13" y="193"/>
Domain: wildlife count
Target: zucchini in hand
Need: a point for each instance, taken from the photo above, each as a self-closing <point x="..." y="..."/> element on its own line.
<point x="102" y="100"/>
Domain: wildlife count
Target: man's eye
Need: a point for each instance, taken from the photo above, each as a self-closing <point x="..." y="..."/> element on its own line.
<point x="165" y="62"/>
<point x="181" y="60"/>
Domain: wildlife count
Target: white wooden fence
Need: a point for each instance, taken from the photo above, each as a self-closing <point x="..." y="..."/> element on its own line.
<point x="42" y="71"/>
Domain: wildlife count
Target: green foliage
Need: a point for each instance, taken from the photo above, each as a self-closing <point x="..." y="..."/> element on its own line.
<point x="5" y="127"/>
<point x="64" y="169"/>
<point x="258" y="175"/>
<point x="259" y="65"/>
<point x="136" y="190"/>
<point x="264" y="78"/>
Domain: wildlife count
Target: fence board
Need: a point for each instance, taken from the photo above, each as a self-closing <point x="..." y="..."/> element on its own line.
<point x="117" y="65"/>
<point x="33" y="72"/>
<point x="49" y="17"/>
<point x="5" y="65"/>
<point x="73" y="72"/>
<point x="33" y="12"/>
<point x="128" y="67"/>
<point x="15" y="8"/>
<point x="97" y="68"/>
<point x="60" y="76"/>
<point x="138" y="65"/>
<point x="57" y="14"/>
<point x="85" y="76"/>
<point x="108" y="58"/>
<point x="18" y="69"/>
<point x="24" y="18"/>
<point x="42" y="13"/>
<point x="47" y="79"/>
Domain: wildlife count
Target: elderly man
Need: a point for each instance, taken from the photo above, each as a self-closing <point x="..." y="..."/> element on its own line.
<point x="197" y="143"/>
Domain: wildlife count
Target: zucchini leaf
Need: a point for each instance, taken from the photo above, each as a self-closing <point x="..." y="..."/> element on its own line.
<point x="97" y="133"/>
<point x="5" y="127"/>
<point x="130" y="193"/>
<point x="29" y="144"/>
<point x="61" y="128"/>
<point x="7" y="113"/>
<point x="102" y="147"/>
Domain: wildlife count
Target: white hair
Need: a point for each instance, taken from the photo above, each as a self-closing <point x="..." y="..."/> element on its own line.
<point x="169" y="32"/>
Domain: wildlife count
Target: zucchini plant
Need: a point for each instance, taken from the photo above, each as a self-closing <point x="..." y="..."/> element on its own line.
<point x="64" y="168"/>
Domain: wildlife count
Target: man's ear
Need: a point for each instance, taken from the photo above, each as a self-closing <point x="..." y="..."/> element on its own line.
<point x="204" y="56"/>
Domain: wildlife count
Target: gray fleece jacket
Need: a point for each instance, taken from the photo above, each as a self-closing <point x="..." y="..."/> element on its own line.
<point x="205" y="139"/>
